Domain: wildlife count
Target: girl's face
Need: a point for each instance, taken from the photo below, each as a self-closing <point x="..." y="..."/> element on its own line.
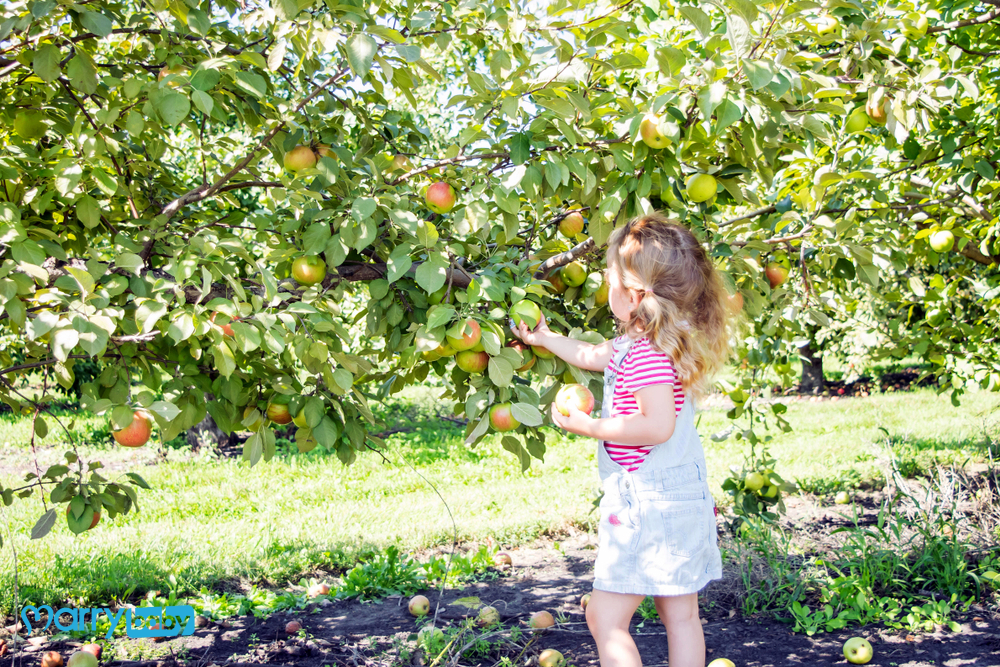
<point x="621" y="299"/>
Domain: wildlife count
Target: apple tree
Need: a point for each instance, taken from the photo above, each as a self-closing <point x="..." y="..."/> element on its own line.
<point x="285" y="211"/>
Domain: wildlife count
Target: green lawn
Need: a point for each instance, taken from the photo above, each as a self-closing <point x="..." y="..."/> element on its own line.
<point x="207" y="521"/>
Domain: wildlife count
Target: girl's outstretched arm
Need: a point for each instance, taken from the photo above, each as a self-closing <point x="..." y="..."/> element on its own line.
<point x="583" y="355"/>
<point x="652" y="424"/>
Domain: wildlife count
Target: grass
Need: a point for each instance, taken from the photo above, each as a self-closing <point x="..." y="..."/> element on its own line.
<point x="214" y="522"/>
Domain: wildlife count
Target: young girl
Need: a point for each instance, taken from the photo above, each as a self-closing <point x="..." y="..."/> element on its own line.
<point x="657" y="533"/>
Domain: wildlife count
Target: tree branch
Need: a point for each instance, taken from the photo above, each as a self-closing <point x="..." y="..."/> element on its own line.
<point x="985" y="18"/>
<point x="564" y="258"/>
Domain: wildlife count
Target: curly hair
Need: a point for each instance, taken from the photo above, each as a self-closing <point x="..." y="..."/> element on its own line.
<point x="684" y="308"/>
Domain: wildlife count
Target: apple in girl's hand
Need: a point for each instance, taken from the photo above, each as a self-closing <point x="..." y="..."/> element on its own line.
<point x="577" y="396"/>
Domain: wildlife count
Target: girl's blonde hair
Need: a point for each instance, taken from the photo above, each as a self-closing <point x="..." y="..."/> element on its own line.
<point x="684" y="307"/>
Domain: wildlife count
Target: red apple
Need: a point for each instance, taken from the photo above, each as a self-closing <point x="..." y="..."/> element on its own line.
<point x="574" y="274"/>
<point x="527" y="356"/>
<point x="571" y="225"/>
<point x="527" y="312"/>
<point x="876" y="112"/>
<point x="440" y="197"/>
<point x="137" y="433"/>
<point x="576" y="396"/>
<point x="300" y="157"/>
<point x="736" y="302"/>
<point x="318" y="589"/>
<point x="501" y="418"/>
<point x="51" y="659"/>
<point x="776" y="274"/>
<point x="292" y="627"/>
<point x="227" y="330"/>
<point x="503" y="558"/>
<point x="308" y="270"/>
<point x="541" y="620"/>
<point x="471" y="361"/>
<point x="556" y="282"/>
<point x="464" y="335"/>
<point x="278" y="413"/>
<point x="93" y="649"/>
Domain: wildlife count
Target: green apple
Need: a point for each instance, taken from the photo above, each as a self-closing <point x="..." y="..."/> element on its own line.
<point x="857" y="121"/>
<point x="858" y="651"/>
<point x="842" y="498"/>
<point x="308" y="270"/>
<point x="300" y="157"/>
<point x="649" y="130"/>
<point x="472" y="362"/>
<point x="942" y="241"/>
<point x="574" y="274"/>
<point x="753" y="482"/>
<point x="527" y="312"/>
<point x="701" y="187"/>
<point x="776" y="274"/>
<point x="571" y="225"/>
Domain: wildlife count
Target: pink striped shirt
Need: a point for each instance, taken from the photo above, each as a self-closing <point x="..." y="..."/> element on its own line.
<point x="642" y="366"/>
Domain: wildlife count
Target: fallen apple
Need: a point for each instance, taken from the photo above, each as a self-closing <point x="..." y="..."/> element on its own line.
<point x="471" y="361"/>
<point x="550" y="658"/>
<point x="487" y="616"/>
<point x="318" y="589"/>
<point x="82" y="659"/>
<point x="842" y="498"/>
<point x="429" y="633"/>
<point x="503" y="558"/>
<point x="278" y="413"/>
<point x="440" y="197"/>
<point x="419" y="605"/>
<point x="858" y="651"/>
<point x="300" y="157"/>
<point x="584" y="601"/>
<point x="137" y="433"/>
<point x="292" y="627"/>
<point x="574" y="274"/>
<point x="464" y="335"/>
<point x="51" y="659"/>
<point x="501" y="418"/>
<point x="541" y="620"/>
<point x="571" y="225"/>
<point x="576" y="396"/>
<point x="701" y="187"/>
<point x="721" y="662"/>
<point x="94" y="649"/>
<point x="308" y="270"/>
<point x="776" y="274"/>
<point x="527" y="312"/>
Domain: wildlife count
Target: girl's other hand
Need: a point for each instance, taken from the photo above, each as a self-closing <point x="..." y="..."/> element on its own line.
<point x="576" y="422"/>
<point x="532" y="337"/>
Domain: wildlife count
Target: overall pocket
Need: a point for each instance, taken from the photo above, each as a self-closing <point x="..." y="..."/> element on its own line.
<point x="682" y="521"/>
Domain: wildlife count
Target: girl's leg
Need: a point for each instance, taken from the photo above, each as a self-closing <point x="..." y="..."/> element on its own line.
<point x="685" y="639"/>
<point x="608" y="617"/>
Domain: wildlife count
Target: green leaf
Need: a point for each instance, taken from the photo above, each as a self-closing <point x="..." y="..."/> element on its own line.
<point x="203" y="101"/>
<point x="46" y="63"/>
<point x="726" y="114"/>
<point x="130" y="262"/>
<point x="63" y="342"/>
<point x="501" y="372"/>
<point x="105" y="181"/>
<point x="97" y="23"/>
<point x="738" y="32"/>
<point x="432" y="274"/>
<point x="670" y="60"/>
<point x="479" y="430"/>
<point x="759" y="73"/>
<point x="251" y="83"/>
<point x="172" y="107"/>
<point x="399" y="262"/>
<point x="88" y="211"/>
<point x="327" y="432"/>
<point x="710" y="97"/>
<point x="527" y="414"/>
<point x="360" y="53"/>
<point x="698" y="19"/>
<point x="199" y="22"/>
<point x="181" y="328"/>
<point x="43" y="525"/>
<point x="82" y="73"/>
<point x="225" y="362"/>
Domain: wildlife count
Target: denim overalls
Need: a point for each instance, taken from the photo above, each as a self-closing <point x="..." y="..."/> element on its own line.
<point x="657" y="533"/>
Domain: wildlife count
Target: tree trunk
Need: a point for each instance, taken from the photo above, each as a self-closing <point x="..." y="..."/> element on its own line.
<point x="207" y="433"/>
<point x="812" y="370"/>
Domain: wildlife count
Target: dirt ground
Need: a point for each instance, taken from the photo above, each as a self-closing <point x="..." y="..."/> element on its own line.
<point x="547" y="575"/>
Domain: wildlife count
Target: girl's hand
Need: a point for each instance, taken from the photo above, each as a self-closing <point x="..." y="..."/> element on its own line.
<point x="576" y="422"/>
<point x="532" y="337"/>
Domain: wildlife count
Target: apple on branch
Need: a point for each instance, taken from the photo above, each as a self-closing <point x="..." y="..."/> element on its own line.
<point x="137" y="433"/>
<point x="308" y="270"/>
<point x="440" y="197"/>
<point x="300" y="157"/>
<point x="571" y="225"/>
